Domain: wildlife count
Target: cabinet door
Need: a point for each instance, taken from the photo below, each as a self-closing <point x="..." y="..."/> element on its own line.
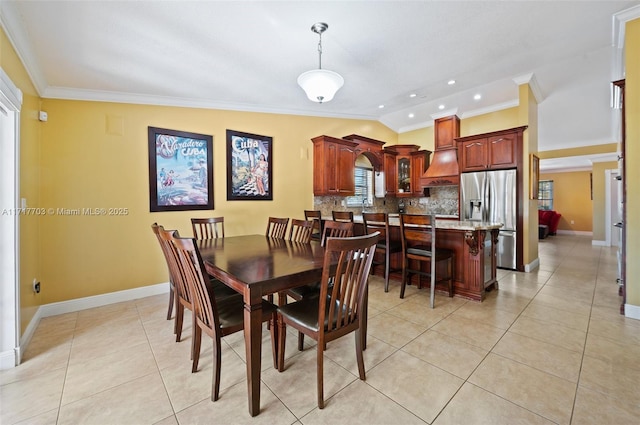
<point x="473" y="155"/>
<point x="403" y="166"/>
<point x="390" y="174"/>
<point x="419" y="164"/>
<point x="502" y="152"/>
<point x="345" y="177"/>
<point x="445" y="131"/>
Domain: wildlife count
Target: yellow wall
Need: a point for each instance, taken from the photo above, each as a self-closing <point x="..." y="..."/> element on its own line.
<point x="83" y="166"/>
<point x="632" y="159"/>
<point x="572" y="199"/>
<point x="422" y="137"/>
<point x="29" y="178"/>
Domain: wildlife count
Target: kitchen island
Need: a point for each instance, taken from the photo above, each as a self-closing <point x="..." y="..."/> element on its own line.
<point x="474" y="246"/>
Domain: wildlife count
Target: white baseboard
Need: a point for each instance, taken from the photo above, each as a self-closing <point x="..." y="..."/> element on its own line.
<point x="599" y="243"/>
<point x="7" y="359"/>
<point x="532" y="265"/>
<point x="632" y="311"/>
<point x="78" y="304"/>
<point x="574" y="232"/>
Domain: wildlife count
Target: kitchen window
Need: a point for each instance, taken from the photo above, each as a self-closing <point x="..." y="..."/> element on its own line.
<point x="364" y="188"/>
<point x="545" y="195"/>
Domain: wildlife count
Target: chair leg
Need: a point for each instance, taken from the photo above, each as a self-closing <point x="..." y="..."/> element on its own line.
<point x="404" y="278"/>
<point x="282" y="340"/>
<point x="171" y="301"/>
<point x="276" y="328"/>
<point x="450" y="270"/>
<point x="177" y="328"/>
<point x="300" y="341"/>
<point x="197" y="339"/>
<point x="359" y="355"/>
<point x="320" y="373"/>
<point x="432" y="288"/>
<point x="386" y="270"/>
<point x="217" y="360"/>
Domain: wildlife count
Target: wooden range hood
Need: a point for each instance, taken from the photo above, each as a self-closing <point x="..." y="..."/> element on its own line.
<point x="444" y="170"/>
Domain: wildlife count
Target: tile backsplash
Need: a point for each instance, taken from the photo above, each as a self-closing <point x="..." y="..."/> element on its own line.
<point x="443" y="201"/>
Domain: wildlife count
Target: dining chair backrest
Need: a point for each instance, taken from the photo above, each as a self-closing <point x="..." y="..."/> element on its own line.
<point x="277" y="227"/>
<point x="300" y="230"/>
<point x="344" y="286"/>
<point x="208" y="228"/>
<point x="316" y="217"/>
<point x="342" y="216"/>
<point x="166" y="253"/>
<point x="195" y="276"/>
<point x="336" y="229"/>
<point x="166" y="237"/>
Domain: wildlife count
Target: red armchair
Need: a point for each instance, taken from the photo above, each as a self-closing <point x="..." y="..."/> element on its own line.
<point x="550" y="219"/>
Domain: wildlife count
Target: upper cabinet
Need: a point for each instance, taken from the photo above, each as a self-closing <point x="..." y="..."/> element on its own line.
<point x="333" y="166"/>
<point x="490" y="151"/>
<point x="404" y="166"/>
<point x="446" y="129"/>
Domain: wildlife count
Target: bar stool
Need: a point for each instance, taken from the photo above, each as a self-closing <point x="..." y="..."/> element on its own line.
<point x="342" y="216"/>
<point x="316" y="217"/>
<point x="418" y="234"/>
<point x="379" y="222"/>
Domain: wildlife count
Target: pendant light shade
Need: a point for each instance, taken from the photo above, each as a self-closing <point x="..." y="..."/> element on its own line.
<point x="320" y="85"/>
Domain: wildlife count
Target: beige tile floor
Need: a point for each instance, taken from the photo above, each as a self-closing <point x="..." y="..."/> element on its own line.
<point x="547" y="347"/>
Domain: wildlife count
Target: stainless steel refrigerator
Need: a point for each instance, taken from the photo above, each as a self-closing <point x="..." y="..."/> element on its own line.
<point x="491" y="196"/>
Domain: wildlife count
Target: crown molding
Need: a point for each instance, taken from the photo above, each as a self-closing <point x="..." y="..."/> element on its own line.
<point x="142" y="99"/>
<point x="10" y="21"/>
<point x="533" y="85"/>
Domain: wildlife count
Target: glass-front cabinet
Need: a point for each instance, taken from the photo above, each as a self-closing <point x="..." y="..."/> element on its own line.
<point x="409" y="163"/>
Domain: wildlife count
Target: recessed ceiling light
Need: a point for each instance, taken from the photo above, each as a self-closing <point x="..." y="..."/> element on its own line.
<point x="477" y="97"/>
<point x="451" y="82"/>
<point x="411" y="115"/>
<point x="441" y="107"/>
<point x="381" y="106"/>
<point x="412" y="95"/>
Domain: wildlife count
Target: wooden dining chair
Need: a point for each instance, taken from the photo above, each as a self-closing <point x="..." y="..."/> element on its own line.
<point x="300" y="230"/>
<point x="340" y="308"/>
<point x="342" y="216"/>
<point x="208" y="228"/>
<point x="332" y="229"/>
<point x="216" y="318"/>
<point x="165" y="252"/>
<point x="316" y="217"/>
<point x="182" y="296"/>
<point x="277" y="227"/>
<point x="418" y="236"/>
<point x="379" y="222"/>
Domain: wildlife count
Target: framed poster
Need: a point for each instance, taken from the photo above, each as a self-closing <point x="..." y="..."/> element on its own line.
<point x="534" y="176"/>
<point x="249" y="167"/>
<point x="180" y="170"/>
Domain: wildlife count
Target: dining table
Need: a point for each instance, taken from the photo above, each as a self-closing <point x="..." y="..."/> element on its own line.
<point x="255" y="266"/>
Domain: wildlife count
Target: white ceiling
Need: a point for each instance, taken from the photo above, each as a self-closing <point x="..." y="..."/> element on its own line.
<point x="243" y="55"/>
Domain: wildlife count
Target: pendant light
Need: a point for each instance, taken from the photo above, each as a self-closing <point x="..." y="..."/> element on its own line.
<point x="320" y="85"/>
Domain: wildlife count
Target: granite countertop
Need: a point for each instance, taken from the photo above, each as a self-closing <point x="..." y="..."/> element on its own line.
<point x="394" y="220"/>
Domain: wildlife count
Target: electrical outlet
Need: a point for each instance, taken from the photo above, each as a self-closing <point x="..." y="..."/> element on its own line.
<point x="36" y="286"/>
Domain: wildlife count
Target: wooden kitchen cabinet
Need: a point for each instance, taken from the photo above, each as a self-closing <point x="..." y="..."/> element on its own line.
<point x="333" y="166"/>
<point x="390" y="173"/>
<point x="446" y="129"/>
<point x="492" y="151"/>
<point x="404" y="166"/>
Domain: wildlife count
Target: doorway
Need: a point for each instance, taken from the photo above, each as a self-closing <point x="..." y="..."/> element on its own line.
<point x="613" y="207"/>
<point x="10" y="104"/>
